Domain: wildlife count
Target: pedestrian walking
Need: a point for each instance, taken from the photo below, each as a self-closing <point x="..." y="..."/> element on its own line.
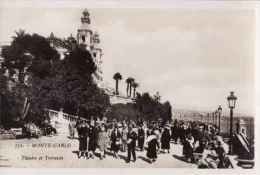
<point x="131" y="144"/>
<point x="153" y="145"/>
<point x="72" y="126"/>
<point x="115" y="141"/>
<point x="92" y="140"/>
<point x="124" y="137"/>
<point x="83" y="139"/>
<point x="80" y="138"/>
<point x="140" y="137"/>
<point x="102" y="141"/>
<point x="165" y="139"/>
<point x="174" y="131"/>
<point x="181" y="132"/>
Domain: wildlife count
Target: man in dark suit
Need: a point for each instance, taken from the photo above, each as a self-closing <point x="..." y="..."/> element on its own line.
<point x="131" y="144"/>
<point x="140" y="138"/>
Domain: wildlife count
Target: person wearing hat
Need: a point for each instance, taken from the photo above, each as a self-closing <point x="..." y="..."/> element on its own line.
<point x="149" y="131"/>
<point x="80" y="137"/>
<point x="153" y="144"/>
<point x="174" y="131"/>
<point x="131" y="144"/>
<point x="140" y="137"/>
<point x="103" y="140"/>
<point x="165" y="139"/>
<point x="124" y="137"/>
<point x="92" y="139"/>
<point x="115" y="141"/>
<point x="83" y="139"/>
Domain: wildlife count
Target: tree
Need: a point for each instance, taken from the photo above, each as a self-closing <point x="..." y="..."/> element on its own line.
<point x="128" y="81"/>
<point x="9" y="104"/>
<point x="50" y="82"/>
<point x="131" y="80"/>
<point x="135" y="85"/>
<point x="117" y="76"/>
<point x="167" y="111"/>
<point x="79" y="91"/>
<point x="146" y="106"/>
<point x="27" y="58"/>
<point x="151" y="109"/>
<point x="3" y="82"/>
<point x="157" y="97"/>
<point x="122" y="112"/>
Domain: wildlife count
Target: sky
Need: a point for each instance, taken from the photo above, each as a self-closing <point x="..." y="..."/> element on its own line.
<point x="193" y="57"/>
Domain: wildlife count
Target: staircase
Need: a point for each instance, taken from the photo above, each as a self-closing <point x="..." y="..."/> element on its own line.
<point x="4" y="162"/>
<point x="60" y="121"/>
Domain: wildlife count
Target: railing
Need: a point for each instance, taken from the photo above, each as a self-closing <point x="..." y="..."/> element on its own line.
<point x="69" y="117"/>
<point x="233" y="161"/>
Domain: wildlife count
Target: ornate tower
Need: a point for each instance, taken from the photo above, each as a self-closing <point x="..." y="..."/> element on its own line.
<point x="97" y="54"/>
<point x="84" y="35"/>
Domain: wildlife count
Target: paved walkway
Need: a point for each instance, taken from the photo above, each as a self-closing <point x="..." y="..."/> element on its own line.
<point x="23" y="153"/>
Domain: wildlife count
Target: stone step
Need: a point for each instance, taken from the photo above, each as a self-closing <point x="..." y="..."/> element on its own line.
<point x="4" y="162"/>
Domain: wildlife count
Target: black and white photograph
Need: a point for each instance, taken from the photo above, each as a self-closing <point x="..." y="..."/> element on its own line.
<point x="85" y="86"/>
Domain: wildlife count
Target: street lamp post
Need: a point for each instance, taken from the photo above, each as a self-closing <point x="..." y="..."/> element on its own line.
<point x="231" y="104"/>
<point x="219" y="115"/>
<point x="216" y="118"/>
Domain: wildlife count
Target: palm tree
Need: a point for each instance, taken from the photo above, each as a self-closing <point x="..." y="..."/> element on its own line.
<point x="132" y="80"/>
<point x="128" y="81"/>
<point x="134" y="85"/>
<point x="117" y="76"/>
<point x="19" y="34"/>
<point x="157" y="97"/>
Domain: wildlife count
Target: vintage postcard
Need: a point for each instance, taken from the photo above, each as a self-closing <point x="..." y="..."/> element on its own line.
<point x="170" y="86"/>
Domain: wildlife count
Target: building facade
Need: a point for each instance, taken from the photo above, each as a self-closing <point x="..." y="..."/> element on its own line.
<point x="86" y="39"/>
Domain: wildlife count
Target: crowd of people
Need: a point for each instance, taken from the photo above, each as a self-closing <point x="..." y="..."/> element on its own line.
<point x="200" y="141"/>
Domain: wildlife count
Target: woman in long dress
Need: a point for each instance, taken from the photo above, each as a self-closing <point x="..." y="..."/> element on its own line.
<point x="124" y="138"/>
<point x="153" y="144"/>
<point x="165" y="140"/>
<point x="92" y="140"/>
<point x="115" y="141"/>
<point x="102" y="141"/>
<point x="140" y="136"/>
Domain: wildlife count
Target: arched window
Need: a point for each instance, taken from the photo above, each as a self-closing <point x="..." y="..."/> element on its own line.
<point x="83" y="38"/>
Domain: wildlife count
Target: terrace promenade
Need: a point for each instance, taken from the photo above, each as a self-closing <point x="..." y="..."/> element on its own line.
<point x="24" y="153"/>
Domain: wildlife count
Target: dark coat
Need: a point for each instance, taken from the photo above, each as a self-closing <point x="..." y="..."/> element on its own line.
<point x="140" y="136"/>
<point x="83" y="133"/>
<point x="165" y="139"/>
<point x="132" y="136"/>
<point x="92" y="139"/>
<point x="152" y="149"/>
<point x="181" y="133"/>
<point x="115" y="140"/>
<point x="175" y="132"/>
<point x="200" y="149"/>
<point x="187" y="148"/>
